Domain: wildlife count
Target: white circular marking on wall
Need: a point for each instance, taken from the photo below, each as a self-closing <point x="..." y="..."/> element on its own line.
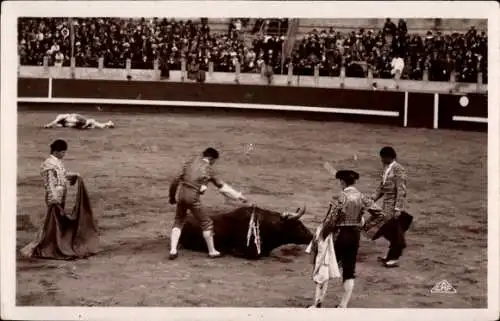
<point x="464" y="101"/>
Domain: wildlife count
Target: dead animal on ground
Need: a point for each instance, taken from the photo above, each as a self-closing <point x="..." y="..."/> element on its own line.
<point x="249" y="232"/>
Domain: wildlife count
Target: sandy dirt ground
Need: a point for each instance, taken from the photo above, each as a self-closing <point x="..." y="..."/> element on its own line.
<point x="127" y="171"/>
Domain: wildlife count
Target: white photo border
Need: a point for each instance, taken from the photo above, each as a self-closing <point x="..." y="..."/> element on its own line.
<point x="11" y="10"/>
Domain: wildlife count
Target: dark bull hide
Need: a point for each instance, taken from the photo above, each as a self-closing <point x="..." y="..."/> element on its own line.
<point x="231" y="229"/>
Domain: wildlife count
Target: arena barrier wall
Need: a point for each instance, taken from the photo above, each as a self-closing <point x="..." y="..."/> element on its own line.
<point x="407" y="109"/>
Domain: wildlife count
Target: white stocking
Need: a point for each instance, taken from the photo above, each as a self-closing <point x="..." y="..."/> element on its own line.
<point x="320" y="293"/>
<point x="348" y="287"/>
<point x="174" y="239"/>
<point x="95" y="124"/>
<point x="209" y="239"/>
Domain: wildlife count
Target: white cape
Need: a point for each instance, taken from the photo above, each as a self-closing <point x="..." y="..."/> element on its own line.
<point x="325" y="263"/>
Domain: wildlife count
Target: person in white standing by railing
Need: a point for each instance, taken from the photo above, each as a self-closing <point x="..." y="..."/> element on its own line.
<point x="58" y="59"/>
<point x="398" y="65"/>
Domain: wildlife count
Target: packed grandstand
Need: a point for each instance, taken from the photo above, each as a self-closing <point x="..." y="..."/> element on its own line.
<point x="254" y="42"/>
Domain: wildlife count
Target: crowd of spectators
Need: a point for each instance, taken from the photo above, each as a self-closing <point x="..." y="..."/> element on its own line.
<point x="140" y="40"/>
<point x="145" y="40"/>
<point x="376" y="50"/>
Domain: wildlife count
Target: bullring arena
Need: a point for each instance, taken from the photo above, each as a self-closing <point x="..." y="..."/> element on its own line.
<point x="275" y="159"/>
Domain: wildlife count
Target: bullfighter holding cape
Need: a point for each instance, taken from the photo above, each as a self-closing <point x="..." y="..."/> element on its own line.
<point x="63" y="235"/>
<point x="395" y="221"/>
<point x="338" y="238"/>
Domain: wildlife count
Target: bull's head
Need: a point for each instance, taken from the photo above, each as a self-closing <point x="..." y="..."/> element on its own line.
<point x="296" y="232"/>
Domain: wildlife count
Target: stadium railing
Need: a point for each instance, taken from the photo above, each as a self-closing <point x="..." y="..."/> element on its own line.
<point x="237" y="77"/>
<point x="401" y="103"/>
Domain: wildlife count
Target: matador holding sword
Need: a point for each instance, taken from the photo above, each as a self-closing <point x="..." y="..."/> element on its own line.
<point x="186" y="191"/>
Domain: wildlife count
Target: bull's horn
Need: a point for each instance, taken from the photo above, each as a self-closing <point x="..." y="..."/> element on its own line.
<point x="301" y="211"/>
<point x="294" y="215"/>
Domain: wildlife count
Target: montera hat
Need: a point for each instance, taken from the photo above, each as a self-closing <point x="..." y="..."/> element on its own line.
<point x="347" y="175"/>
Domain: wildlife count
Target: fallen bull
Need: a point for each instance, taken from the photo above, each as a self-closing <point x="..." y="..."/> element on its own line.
<point x="270" y="230"/>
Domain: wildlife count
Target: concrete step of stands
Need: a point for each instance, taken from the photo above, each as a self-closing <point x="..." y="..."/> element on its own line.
<point x="221" y="25"/>
<point x="420" y="26"/>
